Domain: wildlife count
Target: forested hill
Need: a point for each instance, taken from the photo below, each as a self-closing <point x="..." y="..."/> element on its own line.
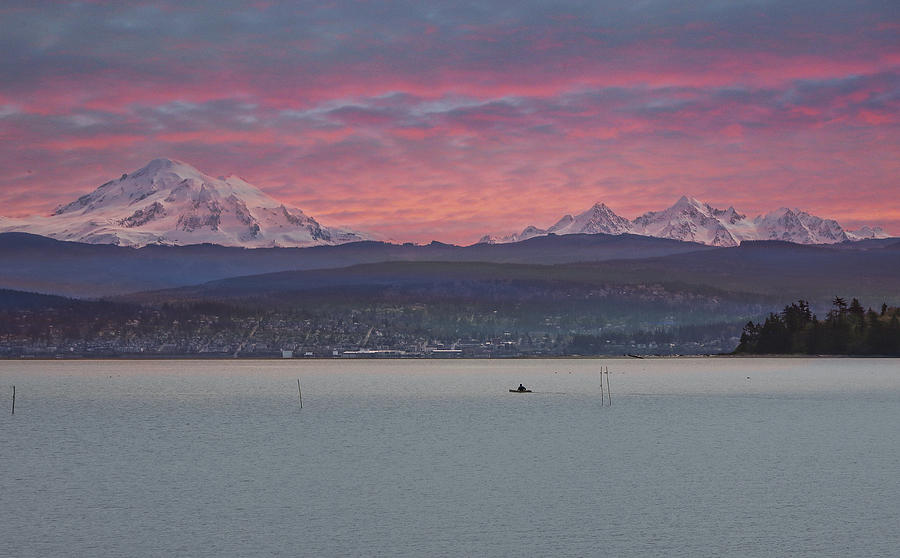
<point x="846" y="330"/>
<point x="34" y="263"/>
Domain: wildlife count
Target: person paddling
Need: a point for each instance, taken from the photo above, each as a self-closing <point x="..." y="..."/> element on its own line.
<point x="522" y="388"/>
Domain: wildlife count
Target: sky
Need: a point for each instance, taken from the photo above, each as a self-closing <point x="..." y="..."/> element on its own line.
<point x="448" y="120"/>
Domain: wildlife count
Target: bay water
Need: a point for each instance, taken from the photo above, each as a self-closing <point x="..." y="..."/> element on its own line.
<point x="694" y="457"/>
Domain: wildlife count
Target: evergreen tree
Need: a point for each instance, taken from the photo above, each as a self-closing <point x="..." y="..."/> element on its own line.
<point x="893" y="342"/>
<point x="749" y="339"/>
<point x="847" y="329"/>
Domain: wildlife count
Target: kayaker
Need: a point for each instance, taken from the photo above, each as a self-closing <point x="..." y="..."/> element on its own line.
<point x="522" y="388"/>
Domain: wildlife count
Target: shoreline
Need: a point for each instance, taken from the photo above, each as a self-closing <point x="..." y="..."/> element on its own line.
<point x="188" y="357"/>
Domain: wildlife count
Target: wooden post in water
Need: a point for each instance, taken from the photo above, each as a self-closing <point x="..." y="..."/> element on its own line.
<point x="601" y="386"/>
<point x="608" y="391"/>
<point x="300" y="393"/>
<point x="14" y="400"/>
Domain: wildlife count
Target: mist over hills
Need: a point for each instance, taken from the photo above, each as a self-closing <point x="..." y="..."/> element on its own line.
<point x="682" y="303"/>
<point x="551" y="295"/>
<point x="765" y="270"/>
<point x="36" y="263"/>
<point x="868" y="267"/>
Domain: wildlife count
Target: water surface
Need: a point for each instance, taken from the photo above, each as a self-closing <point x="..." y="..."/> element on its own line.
<point x="695" y="457"/>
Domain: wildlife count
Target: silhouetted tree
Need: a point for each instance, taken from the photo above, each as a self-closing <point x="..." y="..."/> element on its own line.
<point x="846" y="330"/>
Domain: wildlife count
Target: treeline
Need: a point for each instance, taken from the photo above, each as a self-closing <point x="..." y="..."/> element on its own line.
<point x="848" y="329"/>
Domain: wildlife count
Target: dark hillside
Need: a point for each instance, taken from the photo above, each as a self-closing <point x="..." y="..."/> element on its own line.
<point x="34" y="263"/>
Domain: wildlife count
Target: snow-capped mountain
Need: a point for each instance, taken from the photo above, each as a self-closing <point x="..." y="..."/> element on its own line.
<point x="694" y="221"/>
<point x="597" y="219"/>
<point x="867" y="232"/>
<point x="799" y="227"/>
<point x="171" y="202"/>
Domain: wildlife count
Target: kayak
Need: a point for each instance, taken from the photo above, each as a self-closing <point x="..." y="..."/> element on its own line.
<point x="519" y="391"/>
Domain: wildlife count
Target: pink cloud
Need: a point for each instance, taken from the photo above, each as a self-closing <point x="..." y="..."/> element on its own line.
<point x="450" y="128"/>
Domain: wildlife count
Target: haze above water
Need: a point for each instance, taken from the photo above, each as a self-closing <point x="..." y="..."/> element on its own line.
<point x="695" y="457"/>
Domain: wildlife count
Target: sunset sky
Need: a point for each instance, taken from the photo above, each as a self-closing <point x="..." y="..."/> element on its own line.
<point x="447" y="120"/>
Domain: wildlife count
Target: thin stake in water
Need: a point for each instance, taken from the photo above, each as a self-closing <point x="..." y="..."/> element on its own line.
<point x="300" y="393"/>
<point x="14" y="400"/>
<point x="601" y="386"/>
<point x="608" y="391"/>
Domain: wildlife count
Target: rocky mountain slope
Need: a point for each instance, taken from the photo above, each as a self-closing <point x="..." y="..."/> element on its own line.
<point x="691" y="220"/>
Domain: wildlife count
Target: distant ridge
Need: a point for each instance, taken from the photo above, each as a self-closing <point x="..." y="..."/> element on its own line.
<point x="771" y="270"/>
<point x="691" y="220"/>
<point x="36" y="263"/>
<point x="39" y="264"/>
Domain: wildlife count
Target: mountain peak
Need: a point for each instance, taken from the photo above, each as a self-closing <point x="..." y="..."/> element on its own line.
<point x="868" y="232"/>
<point x="781" y="212"/>
<point x="162" y="164"/>
<point x="598" y="219"/>
<point x="689" y="201"/>
<point x="170" y="202"/>
<point x="689" y="219"/>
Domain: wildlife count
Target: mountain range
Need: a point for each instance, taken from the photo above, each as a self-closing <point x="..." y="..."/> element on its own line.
<point x="868" y="267"/>
<point x="691" y="220"/>
<point x="169" y="202"/>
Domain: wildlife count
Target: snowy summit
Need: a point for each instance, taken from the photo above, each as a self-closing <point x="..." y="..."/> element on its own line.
<point x="171" y="202"/>
<point x="691" y="220"/>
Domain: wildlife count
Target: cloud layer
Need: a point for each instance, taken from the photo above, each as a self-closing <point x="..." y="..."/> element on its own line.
<point x="443" y="120"/>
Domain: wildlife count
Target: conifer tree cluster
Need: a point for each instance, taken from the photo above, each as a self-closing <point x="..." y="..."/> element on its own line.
<point x="847" y="329"/>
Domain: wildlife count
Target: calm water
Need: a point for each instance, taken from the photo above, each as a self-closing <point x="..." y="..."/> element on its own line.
<point x="436" y="458"/>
